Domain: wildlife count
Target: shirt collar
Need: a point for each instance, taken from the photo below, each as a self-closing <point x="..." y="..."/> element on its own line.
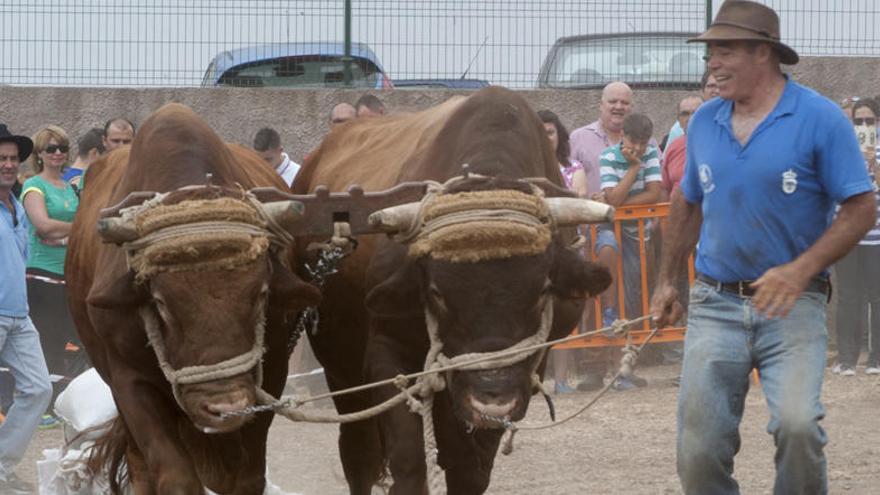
<point x="785" y="106"/>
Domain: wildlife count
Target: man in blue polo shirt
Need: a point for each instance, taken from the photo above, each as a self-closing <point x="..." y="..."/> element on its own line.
<point x="766" y="163"/>
<point x="19" y="342"/>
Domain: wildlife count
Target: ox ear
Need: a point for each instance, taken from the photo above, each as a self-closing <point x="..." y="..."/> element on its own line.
<point x="574" y="277"/>
<point x="288" y="291"/>
<point x="396" y="286"/>
<point x="117" y="292"/>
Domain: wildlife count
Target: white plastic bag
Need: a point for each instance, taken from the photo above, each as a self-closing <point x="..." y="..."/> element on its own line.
<point x="86" y="403"/>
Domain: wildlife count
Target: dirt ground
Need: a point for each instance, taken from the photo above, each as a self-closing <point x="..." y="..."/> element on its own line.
<point x="623" y="445"/>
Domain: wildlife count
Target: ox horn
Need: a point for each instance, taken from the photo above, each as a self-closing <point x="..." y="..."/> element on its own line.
<point x="115" y="230"/>
<point x="577" y="211"/>
<point x="394" y="218"/>
<point x="286" y="213"/>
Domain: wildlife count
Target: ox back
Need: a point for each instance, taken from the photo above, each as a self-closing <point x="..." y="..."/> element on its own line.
<point x="497" y="134"/>
<point x="164" y="450"/>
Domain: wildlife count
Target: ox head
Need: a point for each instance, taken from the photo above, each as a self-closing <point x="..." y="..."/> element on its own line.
<point x="206" y="268"/>
<point x="488" y="285"/>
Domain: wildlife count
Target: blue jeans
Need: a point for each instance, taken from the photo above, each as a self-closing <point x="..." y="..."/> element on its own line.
<point x="726" y="338"/>
<point x="20" y="351"/>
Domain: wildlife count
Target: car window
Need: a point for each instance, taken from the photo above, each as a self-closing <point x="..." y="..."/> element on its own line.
<point x="303" y="71"/>
<point x="597" y="61"/>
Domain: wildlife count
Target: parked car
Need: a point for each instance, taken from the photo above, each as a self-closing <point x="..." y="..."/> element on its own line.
<point x="440" y="83"/>
<point x="661" y="59"/>
<point x="296" y="65"/>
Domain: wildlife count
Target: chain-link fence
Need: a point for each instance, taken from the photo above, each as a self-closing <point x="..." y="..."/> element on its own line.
<point x="506" y="42"/>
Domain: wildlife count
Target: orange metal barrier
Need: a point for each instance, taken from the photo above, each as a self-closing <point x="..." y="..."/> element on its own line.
<point x="648" y="267"/>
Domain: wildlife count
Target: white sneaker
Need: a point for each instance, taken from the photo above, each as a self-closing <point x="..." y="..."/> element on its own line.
<point x="873" y="369"/>
<point x="836" y="368"/>
<point x="847" y="370"/>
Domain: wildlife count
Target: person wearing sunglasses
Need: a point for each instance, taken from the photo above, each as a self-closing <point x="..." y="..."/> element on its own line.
<point x="50" y="203"/>
<point x="859" y="271"/>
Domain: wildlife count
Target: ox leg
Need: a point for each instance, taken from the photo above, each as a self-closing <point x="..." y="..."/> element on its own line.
<point x="342" y="356"/>
<point x="152" y="421"/>
<point x="468" y="458"/>
<point x="401" y="429"/>
<point x="138" y="473"/>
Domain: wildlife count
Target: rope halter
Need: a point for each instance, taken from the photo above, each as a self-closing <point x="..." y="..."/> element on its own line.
<point x="200" y="235"/>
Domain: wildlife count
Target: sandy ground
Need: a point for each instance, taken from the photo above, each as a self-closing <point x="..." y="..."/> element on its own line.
<point x="623" y="445"/>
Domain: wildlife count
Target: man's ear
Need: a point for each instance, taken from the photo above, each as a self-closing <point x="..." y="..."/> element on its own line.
<point x="574" y="277"/>
<point x="396" y="282"/>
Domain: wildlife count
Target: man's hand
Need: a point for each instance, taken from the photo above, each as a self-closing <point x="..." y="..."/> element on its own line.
<point x="633" y="157"/>
<point x="599" y="196"/>
<point x="665" y="307"/>
<point x="778" y="290"/>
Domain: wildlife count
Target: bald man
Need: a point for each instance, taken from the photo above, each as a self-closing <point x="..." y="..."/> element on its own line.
<point x="587" y="143"/>
<point x="342" y="112"/>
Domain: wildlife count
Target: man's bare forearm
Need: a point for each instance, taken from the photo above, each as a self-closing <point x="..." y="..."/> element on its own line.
<point x="680" y="236"/>
<point x="856" y="217"/>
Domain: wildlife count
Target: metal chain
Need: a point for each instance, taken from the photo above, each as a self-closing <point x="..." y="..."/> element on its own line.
<point x="307" y="321"/>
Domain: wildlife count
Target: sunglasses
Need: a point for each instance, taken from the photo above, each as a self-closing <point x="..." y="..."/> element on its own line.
<point x="865" y="121"/>
<point x="54" y="148"/>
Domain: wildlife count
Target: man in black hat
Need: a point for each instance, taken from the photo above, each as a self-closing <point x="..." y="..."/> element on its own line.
<point x="20" y="349"/>
<point x="766" y="164"/>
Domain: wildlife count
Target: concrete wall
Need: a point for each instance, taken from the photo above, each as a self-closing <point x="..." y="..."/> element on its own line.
<point x="301" y="115"/>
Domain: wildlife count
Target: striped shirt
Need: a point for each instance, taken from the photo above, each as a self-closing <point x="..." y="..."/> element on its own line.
<point x="613" y="167"/>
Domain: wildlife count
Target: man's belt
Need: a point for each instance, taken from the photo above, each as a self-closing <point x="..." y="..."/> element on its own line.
<point x="744" y="288"/>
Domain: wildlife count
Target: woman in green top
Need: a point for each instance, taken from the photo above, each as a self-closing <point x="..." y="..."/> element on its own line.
<point x="50" y="203"/>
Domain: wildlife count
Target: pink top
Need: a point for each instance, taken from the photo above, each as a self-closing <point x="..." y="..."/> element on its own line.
<point x="568" y="172"/>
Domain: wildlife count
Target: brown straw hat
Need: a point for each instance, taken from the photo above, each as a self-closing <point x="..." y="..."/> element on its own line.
<point x="744" y="20"/>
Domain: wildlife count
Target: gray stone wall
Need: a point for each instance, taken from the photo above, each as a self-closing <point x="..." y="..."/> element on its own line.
<point x="301" y="116"/>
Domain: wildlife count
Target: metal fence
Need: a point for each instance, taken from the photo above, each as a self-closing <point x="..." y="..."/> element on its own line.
<point x="170" y="43"/>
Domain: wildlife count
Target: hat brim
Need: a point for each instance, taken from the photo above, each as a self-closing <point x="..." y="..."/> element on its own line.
<point x="25" y="145"/>
<point x="787" y="55"/>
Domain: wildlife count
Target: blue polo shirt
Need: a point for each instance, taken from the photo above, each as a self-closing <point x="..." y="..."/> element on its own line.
<point x="13" y="255"/>
<point x="766" y="202"/>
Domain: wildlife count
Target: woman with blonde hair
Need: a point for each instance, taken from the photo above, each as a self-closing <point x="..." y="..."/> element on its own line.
<point x="50" y="203"/>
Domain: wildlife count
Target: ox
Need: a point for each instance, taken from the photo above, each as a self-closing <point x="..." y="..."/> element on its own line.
<point x="174" y="439"/>
<point x="373" y="312"/>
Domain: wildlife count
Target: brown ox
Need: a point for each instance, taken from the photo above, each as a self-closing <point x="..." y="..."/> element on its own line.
<point x="205" y="317"/>
<point x="372" y="322"/>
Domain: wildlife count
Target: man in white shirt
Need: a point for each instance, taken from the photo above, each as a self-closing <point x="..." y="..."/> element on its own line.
<point x="267" y="143"/>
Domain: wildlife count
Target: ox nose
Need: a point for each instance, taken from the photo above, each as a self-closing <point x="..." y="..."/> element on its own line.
<point x="493" y="406"/>
<point x="227" y="407"/>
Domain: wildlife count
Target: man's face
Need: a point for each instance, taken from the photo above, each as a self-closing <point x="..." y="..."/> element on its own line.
<point x="9" y="163"/>
<point x="615" y="106"/>
<point x="117" y="137"/>
<point x="686" y="109"/>
<point x="733" y="65"/>
<point x="711" y="89"/>
<point x="272" y="156"/>
<point x="342" y="113"/>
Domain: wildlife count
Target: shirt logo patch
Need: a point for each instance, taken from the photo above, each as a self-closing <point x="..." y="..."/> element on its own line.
<point x="706" y="181"/>
<point x="789" y="181"/>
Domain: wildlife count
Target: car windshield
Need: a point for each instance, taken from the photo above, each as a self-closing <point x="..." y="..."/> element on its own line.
<point x="301" y="71"/>
<point x="636" y="60"/>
